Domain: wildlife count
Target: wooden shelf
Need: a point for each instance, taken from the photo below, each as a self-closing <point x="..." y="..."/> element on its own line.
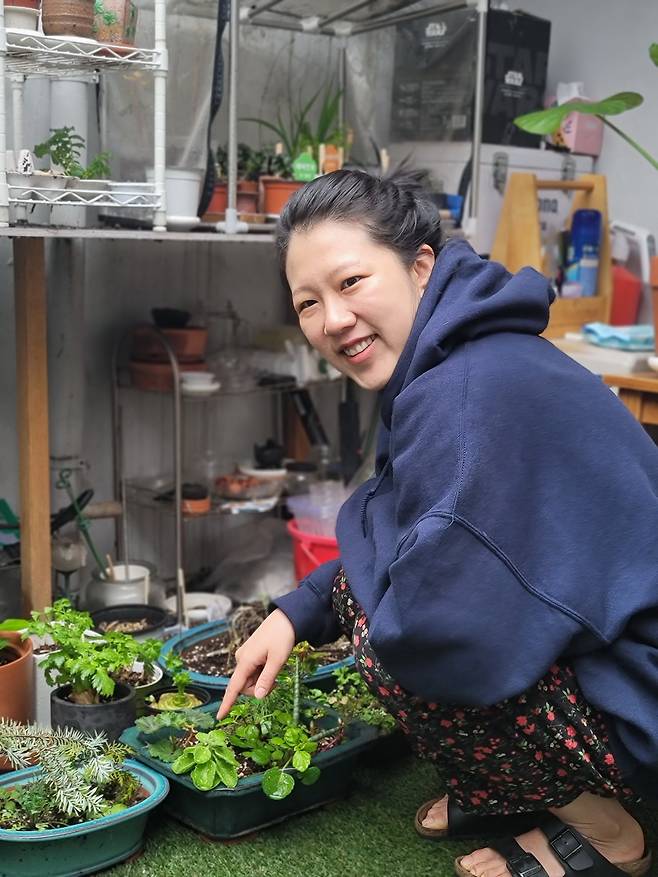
<point x="129" y="234"/>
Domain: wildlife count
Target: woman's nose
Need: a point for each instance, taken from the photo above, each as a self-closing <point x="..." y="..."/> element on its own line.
<point x="337" y="317"/>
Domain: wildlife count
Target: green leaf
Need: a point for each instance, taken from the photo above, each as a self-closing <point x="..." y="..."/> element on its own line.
<point x="227" y="773"/>
<point x="548" y="121"/>
<point x="260" y="756"/>
<point x="301" y="761"/>
<point x="277" y="784"/>
<point x="163" y="750"/>
<point x="310" y="776"/>
<point x="216" y="738"/>
<point x="184" y="762"/>
<point x="204" y="776"/>
<point x="14" y="624"/>
<point x="201" y="754"/>
<point x="653" y="53"/>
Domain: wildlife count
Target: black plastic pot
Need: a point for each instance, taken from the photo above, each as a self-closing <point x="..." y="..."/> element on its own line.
<point x="154" y="615"/>
<point x="201" y="693"/>
<point x="112" y="717"/>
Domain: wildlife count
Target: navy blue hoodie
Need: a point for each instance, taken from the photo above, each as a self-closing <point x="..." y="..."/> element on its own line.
<point x="513" y="518"/>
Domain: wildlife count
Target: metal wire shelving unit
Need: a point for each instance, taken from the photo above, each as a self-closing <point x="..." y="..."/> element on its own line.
<point x="30" y="53"/>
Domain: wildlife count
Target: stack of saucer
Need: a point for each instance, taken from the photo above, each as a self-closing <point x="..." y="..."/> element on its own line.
<point x="199" y="383"/>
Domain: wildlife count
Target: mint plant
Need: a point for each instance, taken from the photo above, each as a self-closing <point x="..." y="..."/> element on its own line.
<point x="276" y="737"/>
<point x="82" y="660"/>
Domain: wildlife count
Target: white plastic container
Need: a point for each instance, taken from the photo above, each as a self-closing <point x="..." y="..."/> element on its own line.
<point x="182" y="192"/>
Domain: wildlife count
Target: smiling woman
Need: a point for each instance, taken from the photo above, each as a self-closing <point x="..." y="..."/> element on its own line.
<point x="498" y="573"/>
<point x="355" y="286"/>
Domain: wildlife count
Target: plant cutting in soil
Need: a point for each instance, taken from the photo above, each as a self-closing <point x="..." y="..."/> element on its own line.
<point x="64" y="147"/>
<point x="179" y="699"/>
<point x="215" y="656"/>
<point x="276" y="737"/>
<point x="352" y="700"/>
<point x="90" y="665"/>
<point x="81" y="778"/>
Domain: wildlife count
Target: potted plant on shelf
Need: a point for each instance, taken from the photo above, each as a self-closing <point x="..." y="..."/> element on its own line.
<point x="273" y="757"/>
<point x="16" y="679"/>
<point x="73" y="18"/>
<point x="84" y="668"/>
<point x="208" y="651"/>
<point x="182" y="695"/>
<point x="83" y="807"/>
<point x="64" y="147"/>
<point x="548" y="121"/>
<point x="249" y="168"/>
<point x="288" y="166"/>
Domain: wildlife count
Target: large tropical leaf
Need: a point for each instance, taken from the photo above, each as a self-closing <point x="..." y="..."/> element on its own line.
<point x="548" y="121"/>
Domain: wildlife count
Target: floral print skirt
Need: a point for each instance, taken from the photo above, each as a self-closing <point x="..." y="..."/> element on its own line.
<point x="540" y="749"/>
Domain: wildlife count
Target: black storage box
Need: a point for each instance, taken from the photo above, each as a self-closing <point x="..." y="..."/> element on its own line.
<point x="434" y="76"/>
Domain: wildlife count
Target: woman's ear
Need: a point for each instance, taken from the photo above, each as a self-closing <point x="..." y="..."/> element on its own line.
<point x="422" y="266"/>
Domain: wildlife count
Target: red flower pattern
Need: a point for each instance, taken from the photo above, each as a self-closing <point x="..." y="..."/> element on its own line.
<point x="520" y="768"/>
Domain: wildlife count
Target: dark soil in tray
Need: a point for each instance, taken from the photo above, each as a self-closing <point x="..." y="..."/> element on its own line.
<point x="215" y="656"/>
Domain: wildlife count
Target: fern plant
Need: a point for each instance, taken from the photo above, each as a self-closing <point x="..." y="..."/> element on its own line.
<point x="81" y="773"/>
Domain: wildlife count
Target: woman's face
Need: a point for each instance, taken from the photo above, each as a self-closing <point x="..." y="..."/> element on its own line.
<point x="355" y="299"/>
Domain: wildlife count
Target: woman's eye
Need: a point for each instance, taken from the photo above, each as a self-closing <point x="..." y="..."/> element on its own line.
<point x="349" y="282"/>
<point x="305" y="304"/>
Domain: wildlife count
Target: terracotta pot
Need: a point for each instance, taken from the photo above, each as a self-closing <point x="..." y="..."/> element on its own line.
<point x="189" y="344"/>
<point x="68" y="18"/>
<point x="247" y="197"/>
<point x="26" y="4"/>
<point x="276" y="192"/>
<point x="111" y="20"/>
<point x="158" y="376"/>
<point x="218" y="199"/>
<point x="16" y="684"/>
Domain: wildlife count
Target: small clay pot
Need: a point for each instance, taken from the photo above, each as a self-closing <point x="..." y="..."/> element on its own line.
<point x="73" y="18"/>
<point x="189" y="344"/>
<point x="276" y="192"/>
<point x="16" y="683"/>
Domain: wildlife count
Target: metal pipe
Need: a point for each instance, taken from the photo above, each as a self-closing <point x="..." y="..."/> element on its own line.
<point x="376" y="24"/>
<point x="4" y="190"/>
<point x="264" y="7"/>
<point x="345" y="12"/>
<point x="231" y="217"/>
<point x="160" y="115"/>
<point x="478" y="110"/>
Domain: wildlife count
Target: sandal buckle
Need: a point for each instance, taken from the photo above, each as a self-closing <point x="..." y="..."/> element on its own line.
<point x="523" y="866"/>
<point x="566" y="844"/>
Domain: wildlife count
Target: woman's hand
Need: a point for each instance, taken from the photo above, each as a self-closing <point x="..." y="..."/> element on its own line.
<point x="260" y="659"/>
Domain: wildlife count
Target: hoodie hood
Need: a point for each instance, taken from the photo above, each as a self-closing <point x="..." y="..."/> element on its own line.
<point x="467" y="297"/>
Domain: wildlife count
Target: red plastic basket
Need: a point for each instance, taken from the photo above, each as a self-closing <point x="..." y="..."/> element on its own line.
<point x="309" y="550"/>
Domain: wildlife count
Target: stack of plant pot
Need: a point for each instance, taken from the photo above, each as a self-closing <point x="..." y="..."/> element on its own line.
<point x="73" y="18"/>
<point x="150" y="366"/>
<point x="22" y="14"/>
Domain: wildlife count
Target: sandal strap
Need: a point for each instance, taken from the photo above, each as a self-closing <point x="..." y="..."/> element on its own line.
<point x="519" y="862"/>
<point x="461" y="824"/>
<point x="574" y="852"/>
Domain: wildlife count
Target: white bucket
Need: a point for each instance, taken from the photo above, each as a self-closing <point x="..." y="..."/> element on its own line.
<point x="182" y="191"/>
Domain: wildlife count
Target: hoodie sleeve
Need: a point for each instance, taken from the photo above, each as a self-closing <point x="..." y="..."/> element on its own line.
<point x="309" y="606"/>
<point x="458" y="624"/>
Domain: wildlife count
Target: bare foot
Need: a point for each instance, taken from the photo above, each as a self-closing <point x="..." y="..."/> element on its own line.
<point x="602" y="821"/>
<point x="437" y="815"/>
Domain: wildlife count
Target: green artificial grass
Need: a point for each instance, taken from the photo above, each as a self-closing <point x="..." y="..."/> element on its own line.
<point x="369" y="834"/>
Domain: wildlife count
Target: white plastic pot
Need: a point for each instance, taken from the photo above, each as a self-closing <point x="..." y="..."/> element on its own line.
<point x="182" y="192"/>
<point x="21" y="18"/>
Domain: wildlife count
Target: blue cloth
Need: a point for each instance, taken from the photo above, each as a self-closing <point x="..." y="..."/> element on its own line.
<point x="620" y="337"/>
<point x="513" y="517"/>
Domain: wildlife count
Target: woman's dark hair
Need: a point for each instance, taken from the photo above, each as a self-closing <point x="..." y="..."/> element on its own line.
<point x="396" y="211"/>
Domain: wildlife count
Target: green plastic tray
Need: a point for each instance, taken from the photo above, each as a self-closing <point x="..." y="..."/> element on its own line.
<point x="227" y="813"/>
